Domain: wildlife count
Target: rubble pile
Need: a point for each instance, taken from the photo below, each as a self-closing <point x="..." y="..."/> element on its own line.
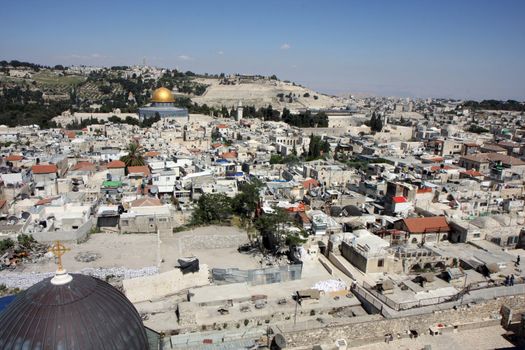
<point x="26" y="280"/>
<point x="24" y="250"/>
<point x="87" y="256"/>
<point x="271" y="260"/>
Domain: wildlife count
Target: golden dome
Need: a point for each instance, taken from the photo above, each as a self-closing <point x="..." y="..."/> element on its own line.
<point x="162" y="95"/>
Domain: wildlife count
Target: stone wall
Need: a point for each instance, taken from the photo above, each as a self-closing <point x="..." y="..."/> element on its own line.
<point x="74" y="236"/>
<point x="164" y="284"/>
<point x="372" y="331"/>
<point x="25" y="280"/>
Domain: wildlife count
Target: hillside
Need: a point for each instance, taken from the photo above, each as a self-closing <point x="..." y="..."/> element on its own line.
<point x="35" y="94"/>
<point x="263" y="92"/>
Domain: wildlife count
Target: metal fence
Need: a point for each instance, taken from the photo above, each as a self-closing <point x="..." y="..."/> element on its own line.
<point x="491" y="290"/>
<point x="258" y="276"/>
<point x="405" y="305"/>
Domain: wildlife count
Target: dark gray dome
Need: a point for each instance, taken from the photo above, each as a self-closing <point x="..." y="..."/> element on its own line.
<point x="86" y="313"/>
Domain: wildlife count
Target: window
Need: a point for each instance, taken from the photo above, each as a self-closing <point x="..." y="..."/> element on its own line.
<point x="124" y="222"/>
<point x="380" y="262"/>
<point x="151" y="220"/>
<point x="163" y="220"/>
<point x="477" y="235"/>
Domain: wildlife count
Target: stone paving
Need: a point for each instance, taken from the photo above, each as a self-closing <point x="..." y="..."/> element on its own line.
<point x="473" y="339"/>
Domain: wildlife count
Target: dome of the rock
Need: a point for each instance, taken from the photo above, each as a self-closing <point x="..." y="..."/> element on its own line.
<point x="162" y="95"/>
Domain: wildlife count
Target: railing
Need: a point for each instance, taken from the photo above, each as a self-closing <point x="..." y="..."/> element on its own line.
<point x="365" y="294"/>
<point x="368" y="289"/>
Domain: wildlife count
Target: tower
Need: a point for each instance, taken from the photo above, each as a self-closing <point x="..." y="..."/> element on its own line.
<point x="239" y="111"/>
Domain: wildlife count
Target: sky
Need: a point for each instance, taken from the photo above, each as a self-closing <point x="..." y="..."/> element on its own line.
<point x="471" y="49"/>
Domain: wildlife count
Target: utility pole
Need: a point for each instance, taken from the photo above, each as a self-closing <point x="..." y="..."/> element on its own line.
<point x="297" y="302"/>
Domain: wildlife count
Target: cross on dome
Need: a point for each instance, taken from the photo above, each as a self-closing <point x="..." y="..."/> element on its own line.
<point x="61" y="275"/>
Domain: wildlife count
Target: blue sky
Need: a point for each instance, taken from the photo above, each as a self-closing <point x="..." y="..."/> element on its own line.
<point x="471" y="49"/>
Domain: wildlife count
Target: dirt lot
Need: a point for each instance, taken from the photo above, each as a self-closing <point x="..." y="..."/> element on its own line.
<point x="131" y="251"/>
<point x="214" y="246"/>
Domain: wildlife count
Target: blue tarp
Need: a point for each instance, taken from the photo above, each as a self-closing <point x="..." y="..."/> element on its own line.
<point x="4" y="301"/>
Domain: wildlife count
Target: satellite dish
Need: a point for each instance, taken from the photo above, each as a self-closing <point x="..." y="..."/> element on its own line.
<point x="153" y="189"/>
<point x="25" y="215"/>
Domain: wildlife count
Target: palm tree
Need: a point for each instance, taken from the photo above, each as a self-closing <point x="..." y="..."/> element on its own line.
<point x="134" y="156"/>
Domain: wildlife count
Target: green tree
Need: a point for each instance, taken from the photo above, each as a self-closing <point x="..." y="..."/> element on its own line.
<point x="274" y="228"/>
<point x="314" y="149"/>
<point x="134" y="156"/>
<point x="114" y="119"/>
<point x="376" y="122"/>
<point x="246" y="201"/>
<point x="26" y="240"/>
<point x="5" y="244"/>
<point x="326" y="147"/>
<point x="212" y="208"/>
<point x="276" y="159"/>
<point x="216" y="135"/>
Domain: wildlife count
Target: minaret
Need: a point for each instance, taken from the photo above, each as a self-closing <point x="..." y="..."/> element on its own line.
<point x="239" y="111"/>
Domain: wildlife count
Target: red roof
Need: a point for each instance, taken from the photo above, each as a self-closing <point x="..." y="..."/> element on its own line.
<point x="438" y="167"/>
<point x="14" y="158"/>
<point x="472" y="172"/>
<point x="139" y="169"/>
<point x="45" y="201"/>
<point x="70" y="134"/>
<point x="424" y="190"/>
<point x="44" y="169"/>
<point x="399" y="199"/>
<point x="146" y="202"/>
<point x="87" y="166"/>
<point x="426" y="225"/>
<point x="2" y="203"/>
<point x="116" y="164"/>
<point x="222" y="126"/>
<point x="309" y="183"/>
<point x="152" y="154"/>
<point x="229" y="155"/>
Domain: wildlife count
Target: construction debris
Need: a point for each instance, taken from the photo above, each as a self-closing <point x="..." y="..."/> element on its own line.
<point x="87" y="256"/>
<point x="24" y="249"/>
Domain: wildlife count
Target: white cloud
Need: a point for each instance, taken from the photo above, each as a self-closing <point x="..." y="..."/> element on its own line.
<point x="184" y="57"/>
<point x="220" y="53"/>
<point x="285" y="46"/>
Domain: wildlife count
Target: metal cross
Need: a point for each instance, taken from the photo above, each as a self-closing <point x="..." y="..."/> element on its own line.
<point x="58" y="249"/>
